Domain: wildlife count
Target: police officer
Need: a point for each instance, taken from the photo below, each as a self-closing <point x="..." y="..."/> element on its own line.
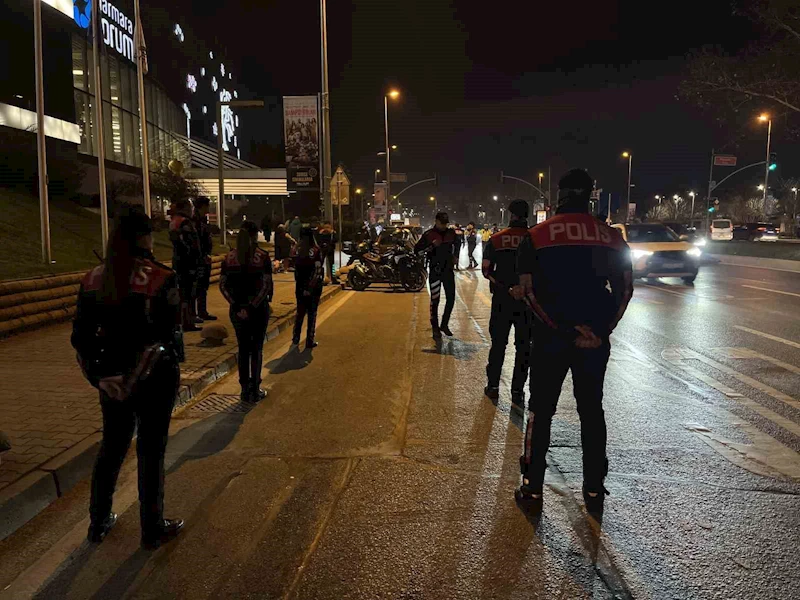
<point x="246" y="283"/>
<point x="472" y="242"/>
<point x="500" y="268"/>
<point x="186" y="258"/>
<point x="457" y="245"/>
<point x="438" y="242"/>
<point x="201" y="206"/>
<point x="127" y="336"/>
<point x="308" y="277"/>
<point x="576" y="276"/>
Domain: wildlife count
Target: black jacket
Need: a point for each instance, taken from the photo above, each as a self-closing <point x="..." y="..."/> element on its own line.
<point x="109" y="337"/>
<point x="440" y="248"/>
<point x="186" y="253"/>
<point x="203" y="235"/>
<point x="247" y="286"/>
<point x="500" y="256"/>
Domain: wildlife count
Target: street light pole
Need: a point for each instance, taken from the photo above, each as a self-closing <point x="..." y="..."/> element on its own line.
<point x="691" y="217"/>
<point x="768" y="119"/>
<point x="388" y="171"/>
<point x="141" y="65"/>
<point x="326" y="111"/>
<point x="629" y="156"/>
<point x="44" y="204"/>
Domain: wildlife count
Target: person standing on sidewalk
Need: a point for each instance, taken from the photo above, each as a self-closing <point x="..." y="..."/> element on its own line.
<point x="438" y="243"/>
<point x="308" y="274"/>
<point x="127" y="336"/>
<point x="326" y="238"/>
<point x="201" y="205"/>
<point x="266" y="227"/>
<point x="576" y="274"/>
<point x="246" y="283"/>
<point x="472" y="242"/>
<point x="186" y="259"/>
<point x="508" y="308"/>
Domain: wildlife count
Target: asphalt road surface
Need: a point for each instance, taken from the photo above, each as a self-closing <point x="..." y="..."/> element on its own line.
<point x="376" y="468"/>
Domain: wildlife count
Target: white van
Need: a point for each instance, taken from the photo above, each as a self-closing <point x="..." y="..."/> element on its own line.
<point x="721" y="230"/>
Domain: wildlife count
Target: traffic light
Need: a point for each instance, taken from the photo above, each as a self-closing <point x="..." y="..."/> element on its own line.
<point x="711" y="209"/>
<point x="773" y="161"/>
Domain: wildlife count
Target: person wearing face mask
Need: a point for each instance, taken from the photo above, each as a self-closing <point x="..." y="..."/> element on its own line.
<point x="438" y="243"/>
<point x="576" y="276"/>
<point x="128" y="340"/>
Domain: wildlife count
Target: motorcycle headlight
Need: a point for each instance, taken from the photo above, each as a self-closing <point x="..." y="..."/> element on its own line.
<point x="637" y="253"/>
<point x="694" y="252"/>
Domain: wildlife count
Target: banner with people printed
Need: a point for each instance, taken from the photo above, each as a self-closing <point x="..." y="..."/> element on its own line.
<point x="301" y="139"/>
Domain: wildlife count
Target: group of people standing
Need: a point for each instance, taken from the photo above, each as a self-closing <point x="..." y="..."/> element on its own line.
<point x="469" y="235"/>
<point x="563" y="285"/>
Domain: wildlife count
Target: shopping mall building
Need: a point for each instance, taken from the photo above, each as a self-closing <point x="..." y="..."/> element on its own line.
<point x="186" y="79"/>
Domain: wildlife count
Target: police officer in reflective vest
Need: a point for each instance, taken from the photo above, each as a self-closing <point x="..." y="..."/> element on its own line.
<point x="576" y="275"/>
<point x="508" y="308"/>
<point x="127" y="336"/>
<point x="438" y="242"/>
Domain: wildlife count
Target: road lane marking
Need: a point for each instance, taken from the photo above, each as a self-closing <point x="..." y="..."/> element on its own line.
<point x="677" y="356"/>
<point x="774" y="338"/>
<point x="739" y="353"/>
<point x="763" y="289"/>
<point x="694" y="296"/>
<point x="687" y="353"/>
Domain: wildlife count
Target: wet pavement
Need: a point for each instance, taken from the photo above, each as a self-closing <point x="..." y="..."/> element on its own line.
<point x="376" y="468"/>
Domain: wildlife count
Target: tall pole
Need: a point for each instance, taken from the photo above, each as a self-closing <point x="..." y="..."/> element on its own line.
<point x="630" y="167"/>
<point x="691" y="217"/>
<point x="388" y="172"/>
<point x="710" y="183"/>
<point x="339" y="203"/>
<point x="141" y="62"/>
<point x="550" y="187"/>
<point x="766" y="166"/>
<point x="41" y="146"/>
<point x="98" y="124"/>
<point x="221" y="175"/>
<point x="326" y="111"/>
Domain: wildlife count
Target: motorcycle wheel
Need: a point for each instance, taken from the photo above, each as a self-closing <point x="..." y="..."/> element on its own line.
<point x="414" y="280"/>
<point x="357" y="281"/>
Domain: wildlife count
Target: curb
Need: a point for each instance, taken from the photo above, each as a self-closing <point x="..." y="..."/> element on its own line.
<point x="27" y="497"/>
<point x="774" y="264"/>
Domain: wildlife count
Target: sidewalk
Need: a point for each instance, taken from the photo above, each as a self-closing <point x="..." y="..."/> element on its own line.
<point x="51" y="414"/>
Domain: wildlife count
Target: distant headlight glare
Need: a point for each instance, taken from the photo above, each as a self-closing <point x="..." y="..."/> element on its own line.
<point x="637" y="253"/>
<point x="695" y="252"/>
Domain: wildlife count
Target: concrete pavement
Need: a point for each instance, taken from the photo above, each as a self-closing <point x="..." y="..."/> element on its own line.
<point x="377" y="469"/>
<point x="51" y="415"/>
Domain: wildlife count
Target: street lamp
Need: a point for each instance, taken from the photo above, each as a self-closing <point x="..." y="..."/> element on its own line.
<point x="658" y="198"/>
<point x="359" y="193"/>
<point x="494" y="198"/>
<point x="765" y="118"/>
<point x="394" y="95"/>
<point x="629" y="156"/>
<point x="691" y="217"/>
<point x="760" y="187"/>
<point x="435" y="204"/>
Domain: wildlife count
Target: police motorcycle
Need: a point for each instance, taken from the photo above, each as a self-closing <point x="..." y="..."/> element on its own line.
<point x="400" y="267"/>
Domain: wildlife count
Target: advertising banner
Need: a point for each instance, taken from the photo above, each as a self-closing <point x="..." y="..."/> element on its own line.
<point x="301" y="139"/>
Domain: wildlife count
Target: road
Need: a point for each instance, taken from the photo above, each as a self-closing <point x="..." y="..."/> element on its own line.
<point x="376" y="468"/>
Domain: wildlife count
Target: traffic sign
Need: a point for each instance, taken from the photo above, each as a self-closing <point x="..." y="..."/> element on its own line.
<point x="399" y="177"/>
<point x="340" y="187"/>
<point x="724" y="160"/>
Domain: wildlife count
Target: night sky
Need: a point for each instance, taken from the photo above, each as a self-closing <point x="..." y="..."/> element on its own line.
<point x="513" y="85"/>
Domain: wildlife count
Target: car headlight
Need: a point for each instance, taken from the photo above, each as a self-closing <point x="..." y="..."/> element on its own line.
<point x="700" y="242"/>
<point x="694" y="252"/>
<point x="636" y="253"/>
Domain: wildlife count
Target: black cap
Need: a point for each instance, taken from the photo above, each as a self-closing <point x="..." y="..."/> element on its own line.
<point x="518" y="208"/>
<point x="442" y="217"/>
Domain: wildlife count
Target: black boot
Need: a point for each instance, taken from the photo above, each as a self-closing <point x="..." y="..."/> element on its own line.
<point x="98" y="531"/>
<point x="165" y="531"/>
<point x="257" y="394"/>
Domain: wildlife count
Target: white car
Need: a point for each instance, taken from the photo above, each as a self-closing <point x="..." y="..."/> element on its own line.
<point x="721" y="230"/>
<point x="657" y="251"/>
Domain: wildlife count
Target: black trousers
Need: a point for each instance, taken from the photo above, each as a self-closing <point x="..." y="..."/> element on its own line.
<point x="250" y="333"/>
<point x="187" y="286"/>
<point x="553" y="357"/>
<point x="456" y="254"/>
<point x="507" y="312"/>
<point x="203" y="283"/>
<point x="471" y="251"/>
<point x="148" y="412"/>
<point x="306" y="305"/>
<point x="437" y="280"/>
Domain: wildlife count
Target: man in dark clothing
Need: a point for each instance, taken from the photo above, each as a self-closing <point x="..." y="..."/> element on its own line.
<point x="308" y="276"/>
<point x="472" y="242"/>
<point x="577" y="278"/>
<point x="438" y="243"/>
<point x="266" y="227"/>
<point x="185" y="259"/>
<point x="326" y="240"/>
<point x="200" y="218"/>
<point x="508" y="308"/>
<point x="457" y="245"/>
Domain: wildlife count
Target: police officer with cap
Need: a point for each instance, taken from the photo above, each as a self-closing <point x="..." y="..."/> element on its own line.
<point x="508" y="308"/>
<point x="439" y="242"/>
<point x="576" y="276"/>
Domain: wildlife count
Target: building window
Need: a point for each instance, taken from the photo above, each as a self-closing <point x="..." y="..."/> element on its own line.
<point x="83" y="114"/>
<point x="80" y="70"/>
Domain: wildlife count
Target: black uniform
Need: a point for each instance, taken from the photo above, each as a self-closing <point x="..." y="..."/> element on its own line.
<point x="204" y="267"/>
<point x="110" y="339"/>
<point x="500" y="267"/>
<point x="248" y="287"/>
<point x="308" y="291"/>
<point x="572" y="258"/>
<point x="186" y="260"/>
<point x="472" y="242"/>
<point x="457" y="245"/>
<point x="439" y="245"/>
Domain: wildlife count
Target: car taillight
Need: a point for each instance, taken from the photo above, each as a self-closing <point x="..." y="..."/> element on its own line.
<point x="762" y="228"/>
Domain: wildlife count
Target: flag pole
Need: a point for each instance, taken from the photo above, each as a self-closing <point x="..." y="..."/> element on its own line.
<point x="141" y="71"/>
<point x="98" y="123"/>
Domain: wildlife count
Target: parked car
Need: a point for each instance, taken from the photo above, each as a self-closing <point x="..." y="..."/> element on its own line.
<point x="721" y="230"/>
<point x="657" y="251"/>
<point x="756" y="232"/>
